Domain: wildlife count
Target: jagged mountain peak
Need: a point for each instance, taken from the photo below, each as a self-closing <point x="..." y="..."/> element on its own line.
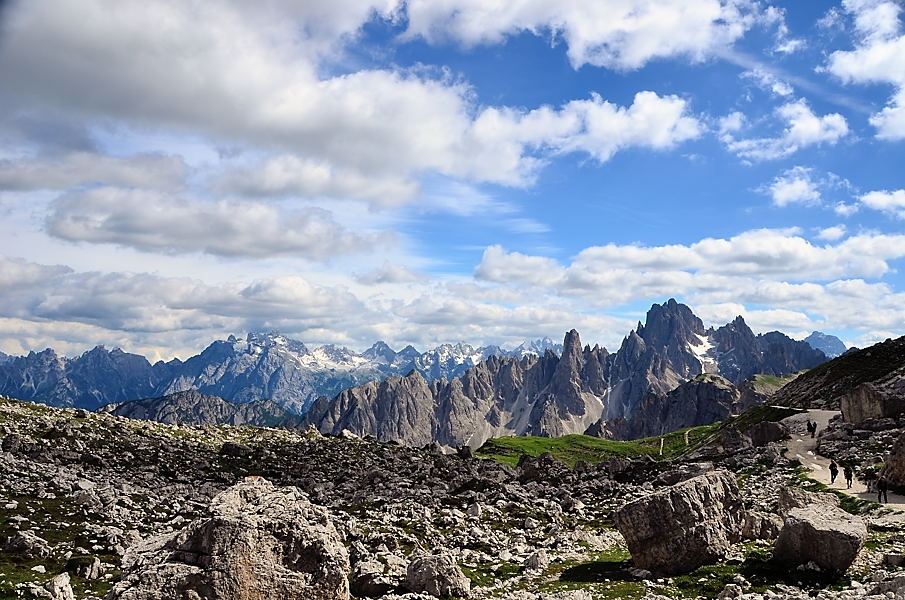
<point x="828" y="344"/>
<point x="671" y="323"/>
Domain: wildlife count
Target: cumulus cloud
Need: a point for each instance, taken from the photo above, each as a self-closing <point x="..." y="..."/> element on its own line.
<point x="158" y="222"/>
<point x="795" y="186"/>
<point x="288" y="175"/>
<point x="514" y="267"/>
<point x="622" y="34"/>
<point x="803" y="129"/>
<point x="889" y="202"/>
<point x="390" y="274"/>
<point x="877" y="58"/>
<point x="764" y="255"/>
<point x="75" y="169"/>
<point x="367" y="133"/>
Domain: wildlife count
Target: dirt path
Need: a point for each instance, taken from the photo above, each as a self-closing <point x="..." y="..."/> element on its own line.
<point x="802" y="447"/>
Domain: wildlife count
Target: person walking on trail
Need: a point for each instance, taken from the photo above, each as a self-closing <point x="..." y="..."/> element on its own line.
<point x="881" y="490"/>
<point x="834" y="471"/>
<point x="849" y="475"/>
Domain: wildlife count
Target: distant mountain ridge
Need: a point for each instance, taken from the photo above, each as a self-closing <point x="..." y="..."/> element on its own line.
<point x="193" y="408"/>
<point x="584" y="390"/>
<point x="263" y="366"/>
<point x="828" y="344"/>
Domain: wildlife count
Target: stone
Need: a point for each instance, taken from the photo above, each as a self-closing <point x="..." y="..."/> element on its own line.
<point x="761" y="526"/>
<point x="27" y="544"/>
<point x="538" y="561"/>
<point x="58" y="588"/>
<point x="767" y="432"/>
<point x="825" y="535"/>
<point x="677" y="529"/>
<point x="895" y="463"/>
<point x="254" y="542"/>
<point x="795" y="497"/>
<point x="235" y="449"/>
<point x="438" y="575"/>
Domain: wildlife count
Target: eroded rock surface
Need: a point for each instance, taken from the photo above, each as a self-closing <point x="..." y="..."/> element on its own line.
<point x="679" y="528"/>
<point x="820" y="533"/>
<point x="256" y="542"/>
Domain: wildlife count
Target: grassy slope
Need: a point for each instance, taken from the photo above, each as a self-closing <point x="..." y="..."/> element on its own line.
<point x="573" y="448"/>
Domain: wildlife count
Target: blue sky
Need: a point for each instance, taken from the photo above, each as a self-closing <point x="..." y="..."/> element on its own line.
<point x="436" y="171"/>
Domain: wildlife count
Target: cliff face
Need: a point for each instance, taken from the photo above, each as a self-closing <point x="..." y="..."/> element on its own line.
<point x="837" y="384"/>
<point x="635" y="392"/>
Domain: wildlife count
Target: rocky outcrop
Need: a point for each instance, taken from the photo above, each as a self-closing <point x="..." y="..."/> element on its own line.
<point x="194" y="408"/>
<point x="677" y="529"/>
<point x="256" y="542"/>
<point x="706" y="399"/>
<point x="825" y="535"/>
<point x="894" y="471"/>
<point x="766" y="432"/>
<point x="875" y="400"/>
<point x="826" y="386"/>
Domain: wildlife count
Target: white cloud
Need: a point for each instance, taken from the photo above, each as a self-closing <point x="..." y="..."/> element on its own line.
<point x="73" y="169"/>
<point x="769" y="81"/>
<point x="889" y="202"/>
<point x="795" y="186"/>
<point x="514" y="267"/>
<point x="288" y="175"/>
<point x="803" y="129"/>
<point x="762" y="255"/>
<point x="367" y="134"/>
<point x="877" y="58"/>
<point x="620" y="34"/>
<point x="157" y="222"/>
<point x="390" y="274"/>
<point x="831" y="234"/>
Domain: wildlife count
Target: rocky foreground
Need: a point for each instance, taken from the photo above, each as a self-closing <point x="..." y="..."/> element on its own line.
<point x="98" y="506"/>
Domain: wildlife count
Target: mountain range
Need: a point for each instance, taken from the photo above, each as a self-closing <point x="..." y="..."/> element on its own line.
<point x="652" y="382"/>
<point x="264" y="366"/>
<point x="669" y="372"/>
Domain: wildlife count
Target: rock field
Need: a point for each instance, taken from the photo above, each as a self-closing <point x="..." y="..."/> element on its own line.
<point x="80" y="492"/>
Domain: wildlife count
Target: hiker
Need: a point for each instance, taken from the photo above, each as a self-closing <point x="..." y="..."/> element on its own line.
<point x="849" y="474"/>
<point x="812" y="427"/>
<point x="834" y="472"/>
<point x="881" y="490"/>
<point x="809" y="428"/>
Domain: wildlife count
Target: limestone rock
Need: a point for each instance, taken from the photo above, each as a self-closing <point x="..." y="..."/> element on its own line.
<point x="795" y="497"/>
<point x="677" y="529"/>
<point x="58" y="588"/>
<point x="27" y="544"/>
<point x="766" y="432"/>
<point x="895" y="463"/>
<point x="762" y="526"/>
<point x="438" y="575"/>
<point x="825" y="535"/>
<point x="255" y="542"/>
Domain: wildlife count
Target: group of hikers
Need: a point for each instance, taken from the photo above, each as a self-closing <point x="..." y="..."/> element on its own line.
<point x="874" y="484"/>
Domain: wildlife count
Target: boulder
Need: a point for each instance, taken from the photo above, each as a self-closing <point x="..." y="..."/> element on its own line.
<point x="766" y="432"/>
<point x="761" y="526"/>
<point x="795" y="497"/>
<point x="58" y="588"/>
<point x="438" y="575"/>
<point x="874" y="400"/>
<point x="27" y="544"/>
<point x="679" y="528"/>
<point x="825" y="535"/>
<point x="895" y="463"/>
<point x="254" y="542"/>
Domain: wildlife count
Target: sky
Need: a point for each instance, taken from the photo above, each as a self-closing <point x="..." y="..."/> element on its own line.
<point x="432" y="171"/>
